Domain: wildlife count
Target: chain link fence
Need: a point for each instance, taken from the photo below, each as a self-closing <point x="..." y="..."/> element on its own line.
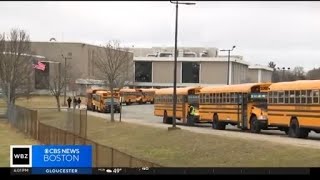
<point x="71" y="120"/>
<point x="69" y="127"/>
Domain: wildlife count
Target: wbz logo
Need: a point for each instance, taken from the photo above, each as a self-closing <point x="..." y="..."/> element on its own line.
<point x="21" y="156"/>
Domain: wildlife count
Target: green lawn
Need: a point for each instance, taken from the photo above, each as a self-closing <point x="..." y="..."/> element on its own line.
<point x="178" y="148"/>
<point x="187" y="149"/>
<point x="10" y="136"/>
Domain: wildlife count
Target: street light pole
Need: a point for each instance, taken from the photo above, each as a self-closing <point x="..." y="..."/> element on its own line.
<point x="228" y="72"/>
<point x="65" y="80"/>
<point x="175" y="64"/>
<point x="283" y="72"/>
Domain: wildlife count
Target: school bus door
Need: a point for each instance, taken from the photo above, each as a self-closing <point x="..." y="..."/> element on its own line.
<point x="242" y="110"/>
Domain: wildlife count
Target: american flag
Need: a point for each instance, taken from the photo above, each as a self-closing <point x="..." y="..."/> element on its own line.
<point x="39" y="65"/>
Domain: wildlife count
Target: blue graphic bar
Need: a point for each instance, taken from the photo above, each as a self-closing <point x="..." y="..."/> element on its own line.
<point x="64" y="156"/>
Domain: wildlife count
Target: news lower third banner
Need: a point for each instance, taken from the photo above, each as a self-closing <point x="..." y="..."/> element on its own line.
<point x="51" y="159"/>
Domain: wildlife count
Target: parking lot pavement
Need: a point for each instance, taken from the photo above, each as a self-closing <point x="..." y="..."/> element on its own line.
<point x="143" y="114"/>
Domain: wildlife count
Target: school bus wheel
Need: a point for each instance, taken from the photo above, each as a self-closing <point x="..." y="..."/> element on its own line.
<point x="190" y="121"/>
<point x="254" y="125"/>
<point x="295" y="130"/>
<point x="165" y="117"/>
<point x="216" y="124"/>
<point x="286" y="130"/>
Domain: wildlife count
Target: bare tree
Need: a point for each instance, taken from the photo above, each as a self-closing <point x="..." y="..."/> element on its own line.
<point x="15" y="65"/>
<point x="56" y="83"/>
<point x="299" y="73"/>
<point x="275" y="74"/>
<point x="114" y="67"/>
<point x="56" y="80"/>
<point x="313" y="74"/>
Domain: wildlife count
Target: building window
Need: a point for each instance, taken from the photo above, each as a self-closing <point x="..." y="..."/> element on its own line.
<point x="190" y="72"/>
<point x="143" y="71"/>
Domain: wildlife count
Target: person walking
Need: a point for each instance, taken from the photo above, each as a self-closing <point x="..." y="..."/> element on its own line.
<point x="69" y="102"/>
<point x="79" y="102"/>
<point x="75" y="102"/>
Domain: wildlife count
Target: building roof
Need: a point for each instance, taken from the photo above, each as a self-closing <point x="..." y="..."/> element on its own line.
<point x="257" y="66"/>
<point x="191" y="59"/>
<point x="23" y="54"/>
<point x="296" y="85"/>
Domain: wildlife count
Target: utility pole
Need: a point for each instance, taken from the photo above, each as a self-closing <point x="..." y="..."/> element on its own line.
<point x="175" y="64"/>
<point x="228" y="71"/>
<point x="65" y="79"/>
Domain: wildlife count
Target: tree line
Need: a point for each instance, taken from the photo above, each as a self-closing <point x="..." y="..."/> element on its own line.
<point x="280" y="74"/>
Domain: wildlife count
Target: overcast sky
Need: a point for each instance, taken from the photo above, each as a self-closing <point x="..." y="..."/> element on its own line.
<point x="285" y="32"/>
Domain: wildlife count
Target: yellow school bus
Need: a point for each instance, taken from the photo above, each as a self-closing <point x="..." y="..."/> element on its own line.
<point x="163" y="103"/>
<point x="130" y="96"/>
<point x="294" y="107"/>
<point x="102" y="101"/>
<point x="147" y="95"/>
<point x="89" y="95"/>
<point x="243" y="105"/>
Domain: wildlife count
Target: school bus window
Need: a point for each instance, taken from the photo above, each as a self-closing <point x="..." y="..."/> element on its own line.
<point x="207" y="98"/>
<point x="231" y="98"/>
<point x="286" y="97"/>
<point x="221" y="98"/>
<point x="211" y="98"/>
<point x="228" y="98"/>
<point x="236" y="98"/>
<point x="275" y="97"/>
<point x="217" y="98"/>
<point x="281" y="96"/>
<point x="291" y="97"/>
<point x="309" y="96"/>
<point x="203" y="98"/>
<point x="303" y="96"/>
<point x="297" y="97"/>
<point x="270" y="97"/>
<point x="315" y="96"/>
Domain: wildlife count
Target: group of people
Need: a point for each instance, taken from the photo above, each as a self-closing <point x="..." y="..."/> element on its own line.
<point x="76" y="102"/>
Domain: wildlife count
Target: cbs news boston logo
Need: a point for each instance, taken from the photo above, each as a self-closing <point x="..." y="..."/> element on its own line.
<point x="52" y="159"/>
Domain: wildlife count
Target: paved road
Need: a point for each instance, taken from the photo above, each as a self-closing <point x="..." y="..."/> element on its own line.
<point x="143" y="114"/>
